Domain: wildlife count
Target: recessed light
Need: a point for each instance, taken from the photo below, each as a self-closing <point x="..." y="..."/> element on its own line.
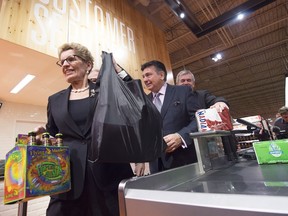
<point x="240" y="16"/>
<point x="22" y="83"/>
<point x="216" y="57"/>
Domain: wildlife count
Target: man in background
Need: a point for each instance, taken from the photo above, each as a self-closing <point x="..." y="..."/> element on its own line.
<point x="177" y="106"/>
<point x="281" y="124"/>
<point x="207" y="100"/>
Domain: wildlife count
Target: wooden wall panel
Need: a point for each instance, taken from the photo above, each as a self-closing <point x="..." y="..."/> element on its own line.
<point x="110" y="25"/>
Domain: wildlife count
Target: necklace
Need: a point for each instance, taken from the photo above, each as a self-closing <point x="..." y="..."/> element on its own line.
<point x="80" y="90"/>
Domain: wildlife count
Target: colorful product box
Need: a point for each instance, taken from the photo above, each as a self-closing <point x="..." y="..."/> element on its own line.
<point x="22" y="139"/>
<point x="212" y="120"/>
<point x="270" y="152"/>
<point x="34" y="171"/>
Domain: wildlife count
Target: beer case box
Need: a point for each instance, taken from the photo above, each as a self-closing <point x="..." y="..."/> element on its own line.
<point x="35" y="171"/>
<point x="272" y="151"/>
<point x="212" y="120"/>
<point x="23" y="139"/>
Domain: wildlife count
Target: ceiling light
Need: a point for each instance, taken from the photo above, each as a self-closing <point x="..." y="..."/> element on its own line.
<point x="182" y="15"/>
<point x="216" y="57"/>
<point x="22" y="83"/>
<point x="219" y="56"/>
<point x="200" y="29"/>
<point x="240" y="16"/>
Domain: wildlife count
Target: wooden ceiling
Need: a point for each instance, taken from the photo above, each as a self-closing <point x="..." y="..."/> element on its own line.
<point x="251" y="75"/>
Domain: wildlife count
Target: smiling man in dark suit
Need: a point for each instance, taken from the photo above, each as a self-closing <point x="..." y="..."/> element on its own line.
<point x="177" y="107"/>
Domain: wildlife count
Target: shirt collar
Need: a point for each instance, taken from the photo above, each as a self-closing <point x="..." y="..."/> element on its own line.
<point x="162" y="90"/>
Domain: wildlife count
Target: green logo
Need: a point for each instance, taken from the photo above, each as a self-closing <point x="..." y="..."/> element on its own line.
<point x="49" y="171"/>
<point x="275" y="150"/>
<point x="16" y="156"/>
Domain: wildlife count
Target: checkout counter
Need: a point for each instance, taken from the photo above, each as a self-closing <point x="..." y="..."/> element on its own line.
<point x="213" y="186"/>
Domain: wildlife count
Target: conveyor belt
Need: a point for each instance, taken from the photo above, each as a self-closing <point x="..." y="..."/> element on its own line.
<point x="241" y="178"/>
<point x="243" y="189"/>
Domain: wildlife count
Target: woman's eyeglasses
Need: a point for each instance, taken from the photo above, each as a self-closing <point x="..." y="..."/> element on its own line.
<point x="70" y="59"/>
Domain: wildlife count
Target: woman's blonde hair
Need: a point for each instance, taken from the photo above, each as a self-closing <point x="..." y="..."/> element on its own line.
<point x="79" y="50"/>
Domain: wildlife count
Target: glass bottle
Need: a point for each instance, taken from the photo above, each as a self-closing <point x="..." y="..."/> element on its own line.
<point x="32" y="138"/>
<point x="59" y="139"/>
<point x="45" y="138"/>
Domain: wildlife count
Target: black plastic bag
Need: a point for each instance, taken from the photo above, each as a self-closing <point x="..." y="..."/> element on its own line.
<point x="126" y="126"/>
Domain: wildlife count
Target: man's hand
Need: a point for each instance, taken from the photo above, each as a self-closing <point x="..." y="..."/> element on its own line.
<point x="219" y="106"/>
<point x="173" y="141"/>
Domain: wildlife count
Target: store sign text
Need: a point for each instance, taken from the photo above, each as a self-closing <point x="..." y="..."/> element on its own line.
<point x="56" y="19"/>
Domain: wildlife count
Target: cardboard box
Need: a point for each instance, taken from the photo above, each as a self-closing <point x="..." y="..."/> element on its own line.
<point x="33" y="171"/>
<point x="22" y="139"/>
<point x="211" y="120"/>
<point x="270" y="152"/>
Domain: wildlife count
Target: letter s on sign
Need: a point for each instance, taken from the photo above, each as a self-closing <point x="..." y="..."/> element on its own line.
<point x="41" y="37"/>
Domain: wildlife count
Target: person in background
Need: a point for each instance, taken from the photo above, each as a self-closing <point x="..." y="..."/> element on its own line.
<point x="277" y="115"/>
<point x="261" y="134"/>
<point x="177" y="106"/>
<point x="94" y="189"/>
<point x="205" y="98"/>
<point x="280" y="127"/>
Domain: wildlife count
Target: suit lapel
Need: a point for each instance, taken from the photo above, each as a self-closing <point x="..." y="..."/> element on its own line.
<point x="169" y="94"/>
<point x="150" y="96"/>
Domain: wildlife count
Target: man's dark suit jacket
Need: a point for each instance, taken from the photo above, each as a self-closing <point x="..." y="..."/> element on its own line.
<point x="283" y="128"/>
<point x="178" y="114"/>
<point x="107" y="175"/>
<point x="206" y="99"/>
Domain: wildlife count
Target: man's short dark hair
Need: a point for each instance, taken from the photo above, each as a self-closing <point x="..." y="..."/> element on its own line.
<point x="283" y="110"/>
<point x="157" y="64"/>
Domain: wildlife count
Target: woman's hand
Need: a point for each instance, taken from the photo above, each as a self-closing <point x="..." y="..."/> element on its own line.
<point x="39" y="131"/>
<point x="117" y="67"/>
<point x="139" y="169"/>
